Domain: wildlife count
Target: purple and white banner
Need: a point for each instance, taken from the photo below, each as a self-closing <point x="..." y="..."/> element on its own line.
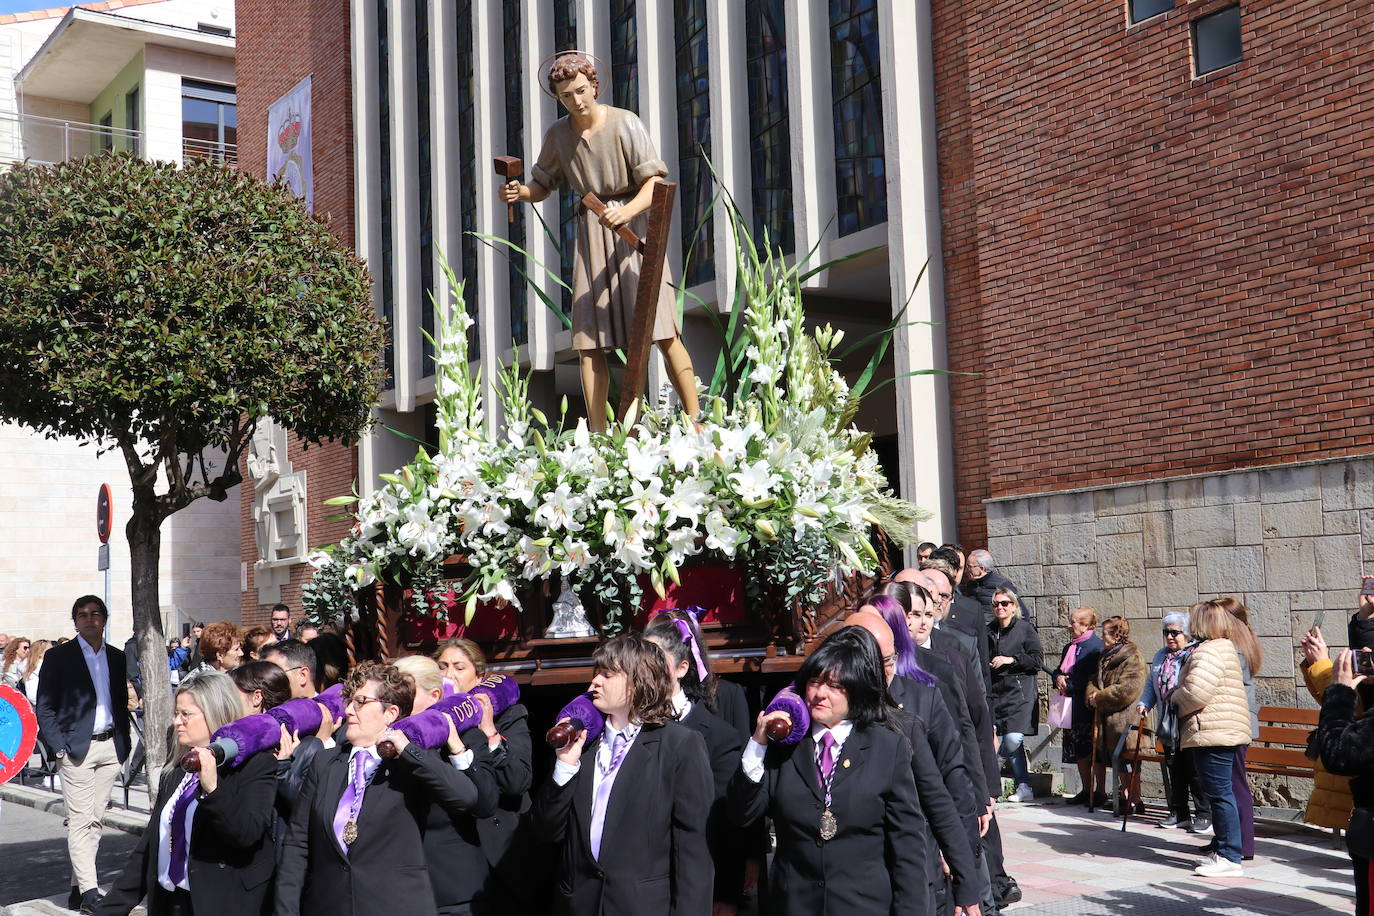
<point x="288" y="142"/>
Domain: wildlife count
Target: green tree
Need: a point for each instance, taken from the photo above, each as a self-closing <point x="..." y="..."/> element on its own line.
<point x="163" y="311"/>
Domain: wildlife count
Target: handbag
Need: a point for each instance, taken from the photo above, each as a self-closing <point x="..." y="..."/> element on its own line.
<point x="1061" y="711"/>
<point x="1167" y="732"/>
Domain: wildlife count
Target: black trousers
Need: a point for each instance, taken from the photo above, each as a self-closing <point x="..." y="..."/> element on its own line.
<point x="1181" y="780"/>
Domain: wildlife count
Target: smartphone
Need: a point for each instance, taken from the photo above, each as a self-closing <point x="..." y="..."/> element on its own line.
<point x="1317" y="621"/>
<point x="1364" y="662"/>
<point x="1367" y="586"/>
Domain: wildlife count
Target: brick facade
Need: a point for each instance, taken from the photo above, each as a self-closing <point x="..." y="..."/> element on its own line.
<point x="1156" y="275"/>
<point x="280" y="42"/>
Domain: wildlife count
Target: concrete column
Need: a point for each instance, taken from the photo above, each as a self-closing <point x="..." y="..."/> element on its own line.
<point x="813" y="138"/>
<point x="913" y="239"/>
<point x="489" y="130"/>
<point x="404" y="203"/>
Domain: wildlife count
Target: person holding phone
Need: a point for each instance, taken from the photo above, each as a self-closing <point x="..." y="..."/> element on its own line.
<point x="1360" y="631"/>
<point x="1330" y="803"/>
<point x="1344" y="743"/>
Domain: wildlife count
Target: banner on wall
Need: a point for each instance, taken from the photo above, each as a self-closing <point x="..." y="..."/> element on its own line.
<point x="288" y="142"/>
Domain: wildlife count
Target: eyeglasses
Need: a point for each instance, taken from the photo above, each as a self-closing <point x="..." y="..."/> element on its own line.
<point x="360" y="702"/>
<point x="1004" y="604"/>
<point x="1173" y="632"/>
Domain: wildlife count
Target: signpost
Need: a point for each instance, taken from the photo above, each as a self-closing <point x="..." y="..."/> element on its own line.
<point x="18" y="733"/>
<point x="104" y="523"/>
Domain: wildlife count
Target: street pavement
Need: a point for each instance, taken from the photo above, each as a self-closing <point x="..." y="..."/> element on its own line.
<point x="1068" y="863"/>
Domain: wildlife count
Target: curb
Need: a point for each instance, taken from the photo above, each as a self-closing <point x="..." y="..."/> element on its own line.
<point x="131" y="822"/>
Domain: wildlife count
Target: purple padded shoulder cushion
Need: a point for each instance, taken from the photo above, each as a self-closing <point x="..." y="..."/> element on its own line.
<point x="787" y="701"/>
<point x="332" y="700"/>
<point x="300" y="715"/>
<point x="581" y="708"/>
<point x="429" y="729"/>
<point x="258" y="732"/>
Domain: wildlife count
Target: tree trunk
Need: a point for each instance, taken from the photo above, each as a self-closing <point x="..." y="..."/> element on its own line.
<point x="144" y="532"/>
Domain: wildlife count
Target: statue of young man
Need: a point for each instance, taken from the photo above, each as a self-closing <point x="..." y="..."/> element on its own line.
<point x="606" y="151"/>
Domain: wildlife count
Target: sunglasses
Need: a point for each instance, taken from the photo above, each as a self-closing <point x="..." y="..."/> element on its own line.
<point x="1004" y="604"/>
<point x="1173" y="632"/>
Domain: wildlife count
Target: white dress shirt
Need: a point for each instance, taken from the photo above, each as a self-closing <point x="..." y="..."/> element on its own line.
<point x="563" y="772"/>
<point x="98" y="664"/>
<point x="753" y="751"/>
<point x="681" y="705"/>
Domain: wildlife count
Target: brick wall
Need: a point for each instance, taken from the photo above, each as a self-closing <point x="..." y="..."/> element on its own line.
<point x="280" y="42"/>
<point x="1156" y="275"/>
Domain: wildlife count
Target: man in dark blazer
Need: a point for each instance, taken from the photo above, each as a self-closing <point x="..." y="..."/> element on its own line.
<point x="83" y="715"/>
<point x="947" y="796"/>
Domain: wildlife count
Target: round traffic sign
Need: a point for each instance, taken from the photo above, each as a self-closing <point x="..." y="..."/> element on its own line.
<point x="18" y="733"/>
<point x="104" y="513"/>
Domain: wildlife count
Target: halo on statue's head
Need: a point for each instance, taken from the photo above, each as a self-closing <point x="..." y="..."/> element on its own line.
<point x="546" y="65"/>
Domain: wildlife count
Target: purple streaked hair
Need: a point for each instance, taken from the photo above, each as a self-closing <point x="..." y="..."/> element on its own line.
<point x="891" y="610"/>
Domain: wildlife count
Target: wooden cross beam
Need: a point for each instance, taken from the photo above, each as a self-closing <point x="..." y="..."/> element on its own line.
<point x="653" y="250"/>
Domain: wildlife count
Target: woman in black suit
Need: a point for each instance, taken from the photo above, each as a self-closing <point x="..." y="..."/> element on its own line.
<point x="355" y="845"/>
<point x="505" y="834"/>
<point x="677" y="634"/>
<point x="851" y="837"/>
<point x="629" y="810"/>
<point x="208" y="846"/>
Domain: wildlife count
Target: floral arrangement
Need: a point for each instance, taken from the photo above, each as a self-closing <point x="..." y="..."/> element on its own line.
<point x="773" y="477"/>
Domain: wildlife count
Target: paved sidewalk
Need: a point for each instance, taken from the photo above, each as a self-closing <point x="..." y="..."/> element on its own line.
<point x="1069" y="862"/>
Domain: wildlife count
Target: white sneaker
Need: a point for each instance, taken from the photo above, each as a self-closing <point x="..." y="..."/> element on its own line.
<point x="1023" y="793"/>
<point x="1214" y="866"/>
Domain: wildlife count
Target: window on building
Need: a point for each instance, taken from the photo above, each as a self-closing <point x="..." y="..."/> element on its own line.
<point x="694" y="139"/>
<point x="770" y="139"/>
<point x="209" y="121"/>
<point x="385" y="259"/>
<point x="1216" y="40"/>
<point x="565" y="39"/>
<point x="106" y="139"/>
<point x="1140" y="10"/>
<point x="515" y="143"/>
<point x="425" y="169"/>
<point x="467" y="170"/>
<point x="856" y="91"/>
<point x="624" y="55"/>
<point x="133" y="119"/>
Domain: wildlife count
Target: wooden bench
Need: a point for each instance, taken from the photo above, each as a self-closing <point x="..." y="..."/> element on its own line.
<point x="1280" y="750"/>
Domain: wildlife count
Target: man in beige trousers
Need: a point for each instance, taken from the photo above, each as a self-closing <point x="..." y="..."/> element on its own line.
<point x="83" y="716"/>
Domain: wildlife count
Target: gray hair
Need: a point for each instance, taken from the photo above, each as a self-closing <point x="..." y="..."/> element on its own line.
<point x="982" y="558"/>
<point x="1177" y="619"/>
<point x="214" y="692"/>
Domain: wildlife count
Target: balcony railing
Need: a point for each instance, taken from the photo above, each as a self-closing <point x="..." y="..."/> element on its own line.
<point x="226" y="153"/>
<point x="44" y="141"/>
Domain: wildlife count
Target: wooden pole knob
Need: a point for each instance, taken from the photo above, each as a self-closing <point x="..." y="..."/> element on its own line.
<point x="564" y="733"/>
<point x="779" y="729"/>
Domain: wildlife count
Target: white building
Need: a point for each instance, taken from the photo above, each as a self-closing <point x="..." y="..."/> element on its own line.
<point x="158" y="77"/>
<point x="818" y="118"/>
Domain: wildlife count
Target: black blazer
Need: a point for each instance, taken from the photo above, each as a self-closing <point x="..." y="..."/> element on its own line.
<point x="953" y="677"/>
<point x="458" y="869"/>
<point x="876" y="864"/>
<point x="384" y="872"/>
<point x="946" y="794"/>
<point x="504" y="833"/>
<point x="732" y="705"/>
<point x="729" y="846"/>
<point x="969" y="617"/>
<point x="654" y="856"/>
<point x="232" y="858"/>
<point x="1014" y="702"/>
<point x="65" y="705"/>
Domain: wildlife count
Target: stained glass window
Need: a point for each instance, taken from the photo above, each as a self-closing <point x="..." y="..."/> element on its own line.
<point x="624" y="55"/>
<point x="515" y="143"/>
<point x="693" y="139"/>
<point x="423" y="179"/>
<point x="388" y="302"/>
<point x="467" y="170"/>
<point x="856" y="91"/>
<point x="565" y="39"/>
<point x="770" y="139"/>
